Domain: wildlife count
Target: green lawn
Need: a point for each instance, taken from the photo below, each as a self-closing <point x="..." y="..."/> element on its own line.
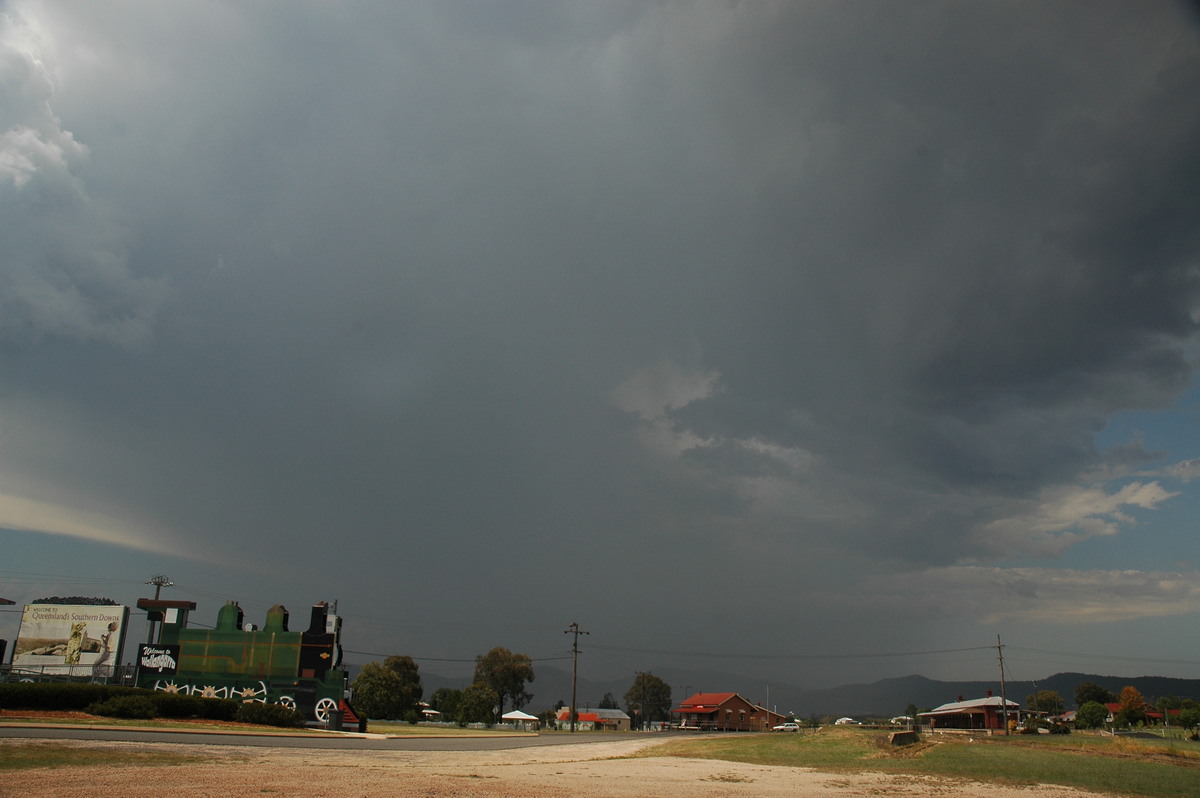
<point x="1170" y="769"/>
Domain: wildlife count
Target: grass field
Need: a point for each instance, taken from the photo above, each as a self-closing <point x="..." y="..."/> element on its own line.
<point x="393" y="728"/>
<point x="46" y="754"/>
<point x="156" y="723"/>
<point x="1170" y="769"/>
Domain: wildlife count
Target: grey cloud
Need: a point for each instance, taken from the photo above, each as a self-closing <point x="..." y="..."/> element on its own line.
<point x="1062" y="597"/>
<point x="889" y="268"/>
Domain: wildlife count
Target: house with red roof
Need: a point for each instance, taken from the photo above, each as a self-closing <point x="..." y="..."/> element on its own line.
<point x="1152" y="714"/>
<point x="594" y="720"/>
<point x="724" y="712"/>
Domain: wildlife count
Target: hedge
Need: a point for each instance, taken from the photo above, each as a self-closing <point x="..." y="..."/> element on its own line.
<point x="269" y="715"/>
<point x="59" y="696"/>
<point x="66" y="696"/>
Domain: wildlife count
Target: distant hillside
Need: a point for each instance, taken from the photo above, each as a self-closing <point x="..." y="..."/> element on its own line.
<point x="892" y="696"/>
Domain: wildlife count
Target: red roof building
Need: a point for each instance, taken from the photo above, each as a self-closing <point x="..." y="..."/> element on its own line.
<point x="724" y="712"/>
<point x="594" y="719"/>
<point x="981" y="713"/>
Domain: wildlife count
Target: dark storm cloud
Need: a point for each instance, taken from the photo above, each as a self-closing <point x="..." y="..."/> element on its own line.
<point x="802" y="290"/>
<point x="977" y="270"/>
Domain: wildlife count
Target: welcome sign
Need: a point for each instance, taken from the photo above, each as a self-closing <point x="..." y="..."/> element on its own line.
<point x="70" y="638"/>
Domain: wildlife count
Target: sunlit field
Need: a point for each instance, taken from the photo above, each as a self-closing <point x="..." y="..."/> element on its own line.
<point x="1102" y="764"/>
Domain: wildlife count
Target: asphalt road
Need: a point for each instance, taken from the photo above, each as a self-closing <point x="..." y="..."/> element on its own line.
<point x="333" y="743"/>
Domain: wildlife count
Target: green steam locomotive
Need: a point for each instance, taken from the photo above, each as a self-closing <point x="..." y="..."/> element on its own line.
<point x="236" y="660"/>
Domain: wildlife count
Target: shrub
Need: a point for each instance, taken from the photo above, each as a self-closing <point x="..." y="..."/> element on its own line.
<point x="412" y="717"/>
<point x="1092" y="715"/>
<point x="125" y="706"/>
<point x="269" y="715"/>
<point x="1189" y="718"/>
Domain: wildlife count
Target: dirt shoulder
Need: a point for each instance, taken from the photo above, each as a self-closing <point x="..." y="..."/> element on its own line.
<point x="592" y="770"/>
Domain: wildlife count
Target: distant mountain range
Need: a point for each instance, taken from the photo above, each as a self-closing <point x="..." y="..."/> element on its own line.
<point x="884" y="698"/>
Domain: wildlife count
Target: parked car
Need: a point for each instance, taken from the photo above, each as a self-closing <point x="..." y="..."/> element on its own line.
<point x="789" y="726"/>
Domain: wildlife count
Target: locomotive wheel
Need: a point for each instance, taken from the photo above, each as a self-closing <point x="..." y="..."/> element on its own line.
<point x="324" y="707"/>
<point x="287" y="701"/>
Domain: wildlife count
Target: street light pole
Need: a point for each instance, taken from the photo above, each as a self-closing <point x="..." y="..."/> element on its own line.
<point x="159" y="581"/>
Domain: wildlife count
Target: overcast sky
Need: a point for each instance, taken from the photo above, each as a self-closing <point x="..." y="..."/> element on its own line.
<point x="781" y="329"/>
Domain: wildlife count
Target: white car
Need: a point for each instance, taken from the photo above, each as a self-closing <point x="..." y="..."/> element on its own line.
<point x="789" y="726"/>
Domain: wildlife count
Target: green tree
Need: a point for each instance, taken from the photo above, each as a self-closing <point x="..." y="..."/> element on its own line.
<point x="478" y="704"/>
<point x="377" y="692"/>
<point x="1169" y="702"/>
<point x="1091" y="715"/>
<point x="446" y="700"/>
<point x="1047" y="701"/>
<point x="1189" y="718"/>
<point x="1090" y="691"/>
<point x="410" y="689"/>
<point x="506" y="673"/>
<point x="609" y="702"/>
<point x="649" y="699"/>
<point x="389" y="690"/>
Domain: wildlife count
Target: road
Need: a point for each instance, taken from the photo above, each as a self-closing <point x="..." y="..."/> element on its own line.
<point x="329" y="743"/>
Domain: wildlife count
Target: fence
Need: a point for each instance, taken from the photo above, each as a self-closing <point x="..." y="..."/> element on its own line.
<point x="104" y="674"/>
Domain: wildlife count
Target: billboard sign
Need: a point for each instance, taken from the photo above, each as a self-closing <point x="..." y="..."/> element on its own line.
<point x="74" y="639"/>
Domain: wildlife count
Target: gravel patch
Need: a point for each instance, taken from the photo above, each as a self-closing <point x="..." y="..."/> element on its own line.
<point x="589" y="771"/>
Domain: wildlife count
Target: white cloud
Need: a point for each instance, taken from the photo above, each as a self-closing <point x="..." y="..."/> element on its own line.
<point x="1044" y="595"/>
<point x="58" y="516"/>
<point x="1184" y="471"/>
<point x="1064" y="516"/>
<point x="64" y="269"/>
<point x="653" y="391"/>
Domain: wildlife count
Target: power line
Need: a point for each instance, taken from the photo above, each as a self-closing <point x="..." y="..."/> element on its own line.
<point x="726" y="655"/>
<point x="444" y="659"/>
<point x="1084" y="655"/>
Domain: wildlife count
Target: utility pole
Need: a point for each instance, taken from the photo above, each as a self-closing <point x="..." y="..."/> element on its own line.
<point x="641" y="677"/>
<point x="1003" y="693"/>
<point x="574" y="630"/>
<point x="159" y="581"/>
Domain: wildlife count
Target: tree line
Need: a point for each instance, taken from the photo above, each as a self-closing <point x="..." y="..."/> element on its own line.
<point x="1093" y="702"/>
<point x="392" y="690"/>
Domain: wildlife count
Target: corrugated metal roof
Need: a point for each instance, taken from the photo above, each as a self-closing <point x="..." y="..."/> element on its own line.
<point x="593" y="714"/>
<point x="965" y="706"/>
